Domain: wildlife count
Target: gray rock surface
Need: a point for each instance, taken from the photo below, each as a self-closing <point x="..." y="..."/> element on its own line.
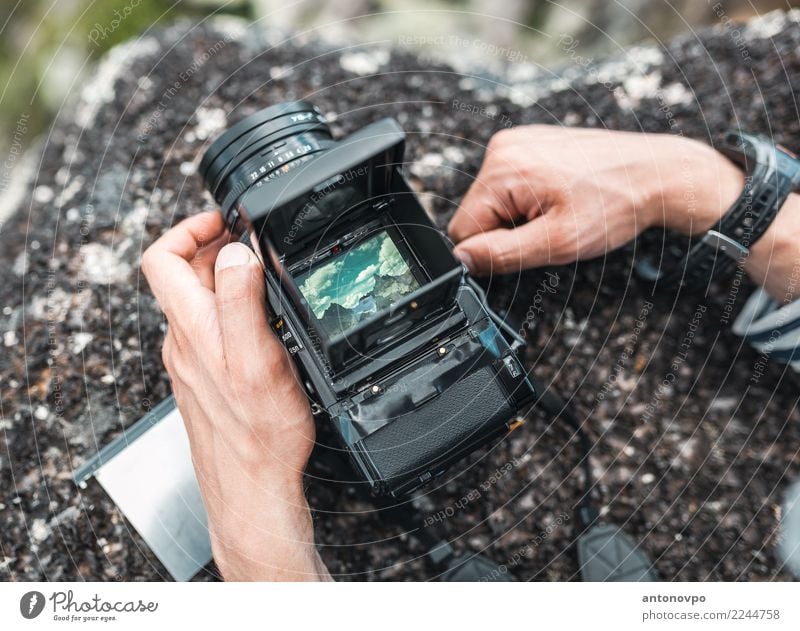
<point x="694" y="469"/>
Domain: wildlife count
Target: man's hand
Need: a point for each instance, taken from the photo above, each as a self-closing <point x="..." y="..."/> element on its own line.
<point x="247" y="417"/>
<point x="578" y="193"/>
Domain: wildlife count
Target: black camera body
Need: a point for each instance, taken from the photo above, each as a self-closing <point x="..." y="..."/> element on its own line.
<point x="393" y="340"/>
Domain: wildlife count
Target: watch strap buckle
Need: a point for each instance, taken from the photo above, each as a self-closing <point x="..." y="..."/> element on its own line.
<point x="725" y="244"/>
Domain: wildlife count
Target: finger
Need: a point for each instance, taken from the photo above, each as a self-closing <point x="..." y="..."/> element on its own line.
<point x="203" y="262"/>
<point x="503" y="251"/>
<point x="501" y="194"/>
<point x="483" y="208"/>
<point x="187" y="237"/>
<point x="185" y="383"/>
<point x="250" y="348"/>
<point x="166" y="263"/>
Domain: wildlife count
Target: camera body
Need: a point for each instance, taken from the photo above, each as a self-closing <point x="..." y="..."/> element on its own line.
<point x="393" y="341"/>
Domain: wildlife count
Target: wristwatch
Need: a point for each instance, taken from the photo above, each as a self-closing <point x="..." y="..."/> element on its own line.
<point x="772" y="173"/>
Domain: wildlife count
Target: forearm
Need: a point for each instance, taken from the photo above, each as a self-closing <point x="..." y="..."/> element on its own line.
<point x="774" y="260"/>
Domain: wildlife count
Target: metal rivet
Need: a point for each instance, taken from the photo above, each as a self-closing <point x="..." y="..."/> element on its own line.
<point x="376" y="389"/>
<point x="442" y="350"/>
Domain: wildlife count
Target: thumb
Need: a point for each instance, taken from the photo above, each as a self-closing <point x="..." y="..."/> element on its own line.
<point x="504" y="251"/>
<point x="240" y="291"/>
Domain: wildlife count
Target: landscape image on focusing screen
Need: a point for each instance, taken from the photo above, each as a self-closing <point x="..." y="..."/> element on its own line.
<point x="357" y="283"/>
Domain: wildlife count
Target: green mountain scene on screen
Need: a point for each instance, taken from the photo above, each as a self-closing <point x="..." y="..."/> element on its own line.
<point x="357" y="283"/>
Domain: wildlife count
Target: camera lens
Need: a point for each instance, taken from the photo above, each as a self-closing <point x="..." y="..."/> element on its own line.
<point x="265" y="145"/>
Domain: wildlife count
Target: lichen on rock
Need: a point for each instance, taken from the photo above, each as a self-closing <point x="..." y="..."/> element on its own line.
<point x="82" y="332"/>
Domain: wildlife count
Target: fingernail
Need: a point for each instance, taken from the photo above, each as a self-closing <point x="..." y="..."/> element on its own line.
<point x="232" y="255"/>
<point x="465" y="258"/>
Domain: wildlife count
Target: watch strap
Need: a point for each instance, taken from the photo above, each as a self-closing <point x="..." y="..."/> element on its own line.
<point x="772" y="174"/>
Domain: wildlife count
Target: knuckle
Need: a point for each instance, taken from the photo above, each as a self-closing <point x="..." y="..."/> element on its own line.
<point x="499" y="139"/>
<point x="456" y="229"/>
<point x="540" y="129"/>
<point x="236" y="289"/>
<point x="147" y="262"/>
<point x="182" y="370"/>
<point x="166" y="356"/>
<point x="564" y="245"/>
<point x="507" y="259"/>
<point x="245" y="373"/>
<point x="170" y="357"/>
<point x="274" y="365"/>
<point x="179" y="342"/>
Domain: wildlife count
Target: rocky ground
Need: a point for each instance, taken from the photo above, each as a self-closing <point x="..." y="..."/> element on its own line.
<point x="694" y="470"/>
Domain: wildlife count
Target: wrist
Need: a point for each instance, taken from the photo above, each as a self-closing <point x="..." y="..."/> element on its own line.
<point x="774" y="260"/>
<point x="275" y="542"/>
<point x="693" y="187"/>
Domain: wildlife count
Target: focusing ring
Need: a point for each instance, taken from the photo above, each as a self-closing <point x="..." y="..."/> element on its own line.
<point x="263" y="146"/>
<point x="268" y="162"/>
<point x="248" y="124"/>
<point x="260" y="145"/>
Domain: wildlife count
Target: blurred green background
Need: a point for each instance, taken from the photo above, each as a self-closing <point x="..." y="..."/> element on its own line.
<point x="46" y="46"/>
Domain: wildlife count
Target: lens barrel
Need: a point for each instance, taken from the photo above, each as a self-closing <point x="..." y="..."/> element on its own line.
<point x="266" y="144"/>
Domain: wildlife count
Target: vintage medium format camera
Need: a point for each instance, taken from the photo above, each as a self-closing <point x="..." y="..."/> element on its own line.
<point x="394" y="342"/>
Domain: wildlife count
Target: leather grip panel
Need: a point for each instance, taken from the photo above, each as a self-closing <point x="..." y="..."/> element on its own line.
<point x="458" y="418"/>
